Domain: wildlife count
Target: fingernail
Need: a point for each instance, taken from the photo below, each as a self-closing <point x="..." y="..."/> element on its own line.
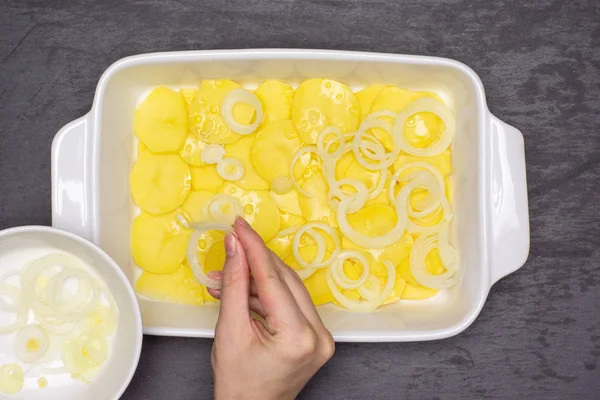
<point x="230" y="245"/>
<point x="243" y="222"/>
<point x="216" y="275"/>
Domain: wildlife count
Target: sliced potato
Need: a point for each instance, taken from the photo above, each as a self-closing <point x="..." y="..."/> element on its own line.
<point x="159" y="183"/>
<point x="160" y="121"/>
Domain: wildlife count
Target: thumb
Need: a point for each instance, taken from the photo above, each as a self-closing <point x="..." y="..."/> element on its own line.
<point x="235" y="289"/>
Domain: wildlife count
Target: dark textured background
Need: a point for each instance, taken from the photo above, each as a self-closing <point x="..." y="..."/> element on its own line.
<point x="538" y="336"/>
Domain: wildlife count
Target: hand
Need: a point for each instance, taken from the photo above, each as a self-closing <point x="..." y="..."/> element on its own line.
<point x="274" y="359"/>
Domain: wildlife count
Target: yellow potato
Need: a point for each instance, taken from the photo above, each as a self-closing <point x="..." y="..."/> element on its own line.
<point x="192" y="150"/>
<point x="413" y="290"/>
<point x="282" y="246"/>
<point x="399" y="288"/>
<point x="274" y="146"/>
<point x="422" y="129"/>
<point x="180" y="286"/>
<point x="288" y="202"/>
<point x="317" y="288"/>
<point x="141" y="148"/>
<point x="206" y="178"/>
<point x="366" y="97"/>
<point x="348" y="167"/>
<point x="158" y="243"/>
<point x="159" y="183"/>
<point x="260" y="210"/>
<point x="319" y="103"/>
<point x="276" y="98"/>
<point x="193" y="207"/>
<point x="215" y="258"/>
<point x="251" y="180"/>
<point x="160" y="121"/>
<point x="189" y="94"/>
<point x="317" y="208"/>
<point x="205" y="112"/>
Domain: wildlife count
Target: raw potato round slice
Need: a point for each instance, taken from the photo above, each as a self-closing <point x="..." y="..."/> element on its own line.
<point x="316" y="208"/>
<point x="180" y="286"/>
<point x="367" y="97"/>
<point x="160" y="121"/>
<point x="160" y="183"/>
<point x="205" y="112"/>
<point x="206" y="178"/>
<point x="260" y="210"/>
<point x="194" y="206"/>
<point x="192" y="150"/>
<point x="158" y="243"/>
<point x="319" y="103"/>
<point x="274" y="147"/>
<point x="251" y="180"/>
<point x="317" y="288"/>
<point x="276" y="98"/>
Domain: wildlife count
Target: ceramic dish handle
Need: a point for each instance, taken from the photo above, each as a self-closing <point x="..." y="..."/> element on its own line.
<point x="510" y="213"/>
<point x="72" y="187"/>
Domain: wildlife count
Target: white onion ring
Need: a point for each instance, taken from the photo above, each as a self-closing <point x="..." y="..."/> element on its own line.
<point x="19" y="309"/>
<point x="192" y="253"/>
<point x="357" y="199"/>
<point x="212" y="154"/>
<point x="311" y="226"/>
<point x="339" y="275"/>
<point x="323" y="147"/>
<point x="281" y="185"/>
<point x="422" y="246"/>
<point x="241" y="96"/>
<point x="377" y="190"/>
<point x="366" y="241"/>
<point x="305" y="273"/>
<point x="287" y="232"/>
<point x="376" y="149"/>
<point x="301" y="151"/>
<point x="80" y="304"/>
<point x="370" y="293"/>
<point x="364" y="305"/>
<point x="55" y="326"/>
<point x="25" y="334"/>
<point x="381" y="113"/>
<point x="14" y="293"/>
<point x="425" y="104"/>
<point x="213" y="208"/>
<point x="227" y="162"/>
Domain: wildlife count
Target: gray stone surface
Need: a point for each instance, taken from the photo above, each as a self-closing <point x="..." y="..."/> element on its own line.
<point x="538" y="336"/>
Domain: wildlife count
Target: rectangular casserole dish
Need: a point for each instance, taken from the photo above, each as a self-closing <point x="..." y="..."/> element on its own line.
<point x="92" y="157"/>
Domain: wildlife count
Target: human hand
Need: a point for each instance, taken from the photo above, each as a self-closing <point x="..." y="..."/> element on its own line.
<point x="252" y="360"/>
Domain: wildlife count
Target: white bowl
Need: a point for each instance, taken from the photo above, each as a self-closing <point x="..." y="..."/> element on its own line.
<point x="20" y="245"/>
<point x="92" y="157"/>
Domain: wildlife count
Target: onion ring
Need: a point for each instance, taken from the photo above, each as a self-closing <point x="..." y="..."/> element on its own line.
<point x="241" y="96"/>
<point x="425" y="104"/>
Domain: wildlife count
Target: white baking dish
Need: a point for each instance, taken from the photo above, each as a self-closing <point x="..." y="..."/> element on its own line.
<point x="92" y="157"/>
